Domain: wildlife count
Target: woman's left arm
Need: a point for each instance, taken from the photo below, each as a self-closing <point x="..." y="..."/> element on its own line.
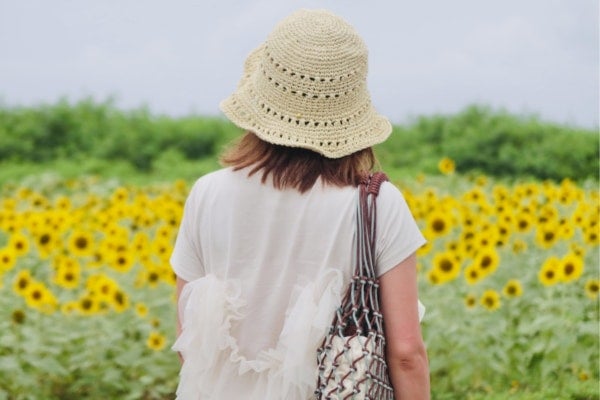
<point x="180" y="284"/>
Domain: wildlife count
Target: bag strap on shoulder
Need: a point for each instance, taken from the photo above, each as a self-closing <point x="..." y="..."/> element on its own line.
<point x="374" y="182"/>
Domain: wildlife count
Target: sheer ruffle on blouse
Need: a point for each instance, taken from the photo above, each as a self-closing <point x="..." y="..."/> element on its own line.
<point x="214" y="366"/>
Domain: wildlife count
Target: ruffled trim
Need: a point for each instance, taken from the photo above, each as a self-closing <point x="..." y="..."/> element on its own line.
<point x="287" y="371"/>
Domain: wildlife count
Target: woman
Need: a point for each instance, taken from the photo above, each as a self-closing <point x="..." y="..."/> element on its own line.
<point x="264" y="251"/>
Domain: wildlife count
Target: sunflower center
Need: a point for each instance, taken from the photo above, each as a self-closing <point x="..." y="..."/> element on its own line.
<point x="81" y="243"/>
<point x="18" y="317"/>
<point x="569" y="269"/>
<point x="548" y="236"/>
<point x="523" y="224"/>
<point x="119" y="298"/>
<point x="86" y="304"/>
<point x="438" y="225"/>
<point x="446" y="265"/>
<point x="486" y="261"/>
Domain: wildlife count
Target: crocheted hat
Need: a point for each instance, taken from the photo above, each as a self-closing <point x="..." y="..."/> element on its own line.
<point x="306" y="86"/>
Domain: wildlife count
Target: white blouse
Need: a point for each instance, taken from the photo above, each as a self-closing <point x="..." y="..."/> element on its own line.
<point x="266" y="270"/>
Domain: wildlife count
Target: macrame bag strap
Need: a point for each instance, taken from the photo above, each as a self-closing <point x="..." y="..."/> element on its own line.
<point x="366" y="224"/>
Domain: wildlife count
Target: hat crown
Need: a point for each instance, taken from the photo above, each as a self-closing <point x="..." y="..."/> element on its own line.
<point x="318" y="44"/>
<point x="313" y="67"/>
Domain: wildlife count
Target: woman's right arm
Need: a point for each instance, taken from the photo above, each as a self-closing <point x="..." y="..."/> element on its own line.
<point x="406" y="354"/>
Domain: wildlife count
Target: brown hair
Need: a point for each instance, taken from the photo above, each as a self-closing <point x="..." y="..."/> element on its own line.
<point x="297" y="168"/>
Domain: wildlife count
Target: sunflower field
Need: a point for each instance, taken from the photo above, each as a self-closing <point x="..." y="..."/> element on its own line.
<point x="509" y="276"/>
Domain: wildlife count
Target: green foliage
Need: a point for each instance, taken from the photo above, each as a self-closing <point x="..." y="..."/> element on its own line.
<point x="98" y="130"/>
<point x="478" y="139"/>
<point x="494" y="143"/>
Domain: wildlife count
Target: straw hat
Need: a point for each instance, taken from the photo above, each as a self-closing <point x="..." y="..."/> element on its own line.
<point x="306" y="86"/>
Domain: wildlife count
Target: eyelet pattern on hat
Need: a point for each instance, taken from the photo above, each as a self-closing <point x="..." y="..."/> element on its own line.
<point x="306" y="86"/>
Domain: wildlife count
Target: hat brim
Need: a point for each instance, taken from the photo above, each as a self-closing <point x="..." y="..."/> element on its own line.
<point x="244" y="110"/>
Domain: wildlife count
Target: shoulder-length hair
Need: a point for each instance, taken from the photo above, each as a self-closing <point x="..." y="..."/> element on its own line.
<point x="297" y="168"/>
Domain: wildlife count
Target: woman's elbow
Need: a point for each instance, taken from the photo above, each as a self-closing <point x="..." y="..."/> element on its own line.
<point x="407" y="354"/>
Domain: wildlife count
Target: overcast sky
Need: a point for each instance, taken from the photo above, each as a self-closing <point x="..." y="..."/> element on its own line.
<point x="183" y="56"/>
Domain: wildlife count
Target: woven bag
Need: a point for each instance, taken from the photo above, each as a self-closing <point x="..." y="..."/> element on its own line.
<point x="351" y="359"/>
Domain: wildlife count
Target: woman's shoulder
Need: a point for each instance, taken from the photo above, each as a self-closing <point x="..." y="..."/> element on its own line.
<point x="390" y="192"/>
<point x="214" y="177"/>
<point x="390" y="198"/>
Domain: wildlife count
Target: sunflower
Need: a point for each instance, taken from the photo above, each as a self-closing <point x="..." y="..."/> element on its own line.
<point x="141" y="242"/>
<point x="102" y="286"/>
<point x="162" y="248"/>
<point x="513" y="288"/>
<point x="470" y="301"/>
<point x="68" y="308"/>
<point x="583" y="375"/>
<point x="153" y="277"/>
<point x="475" y="196"/>
<point x="46" y="242"/>
<point x="39" y="201"/>
<point x="8" y="259"/>
<point x="590" y="235"/>
<point x="18" y="317"/>
<point x="519" y="246"/>
<point x="446" y="166"/>
<point x="446" y="266"/>
<point x="68" y="277"/>
<point x="81" y="243"/>
<point x="487" y="261"/>
<point x="490" y="300"/>
<point x="63" y="203"/>
<point x="546" y="235"/>
<point x="433" y="277"/>
<point x="22" y="282"/>
<point x="120" y="301"/>
<point x="141" y="309"/>
<point x="88" y="305"/>
<point x="165" y="232"/>
<point x="39" y="297"/>
<point x="571" y="267"/>
<point x="19" y="243"/>
<point x="156" y="341"/>
<point x="550" y="273"/>
<point x="473" y="275"/>
<point x="504" y="231"/>
<point x="523" y="222"/>
<point x="487" y="238"/>
<point x="425" y="249"/>
<point x="500" y="193"/>
<point x="577" y="249"/>
<point x="120" y="195"/>
<point x="122" y="261"/>
<point x="579" y="215"/>
<point x="592" y="287"/>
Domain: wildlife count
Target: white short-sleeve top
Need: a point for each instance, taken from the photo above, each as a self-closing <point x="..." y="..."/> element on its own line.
<point x="266" y="269"/>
